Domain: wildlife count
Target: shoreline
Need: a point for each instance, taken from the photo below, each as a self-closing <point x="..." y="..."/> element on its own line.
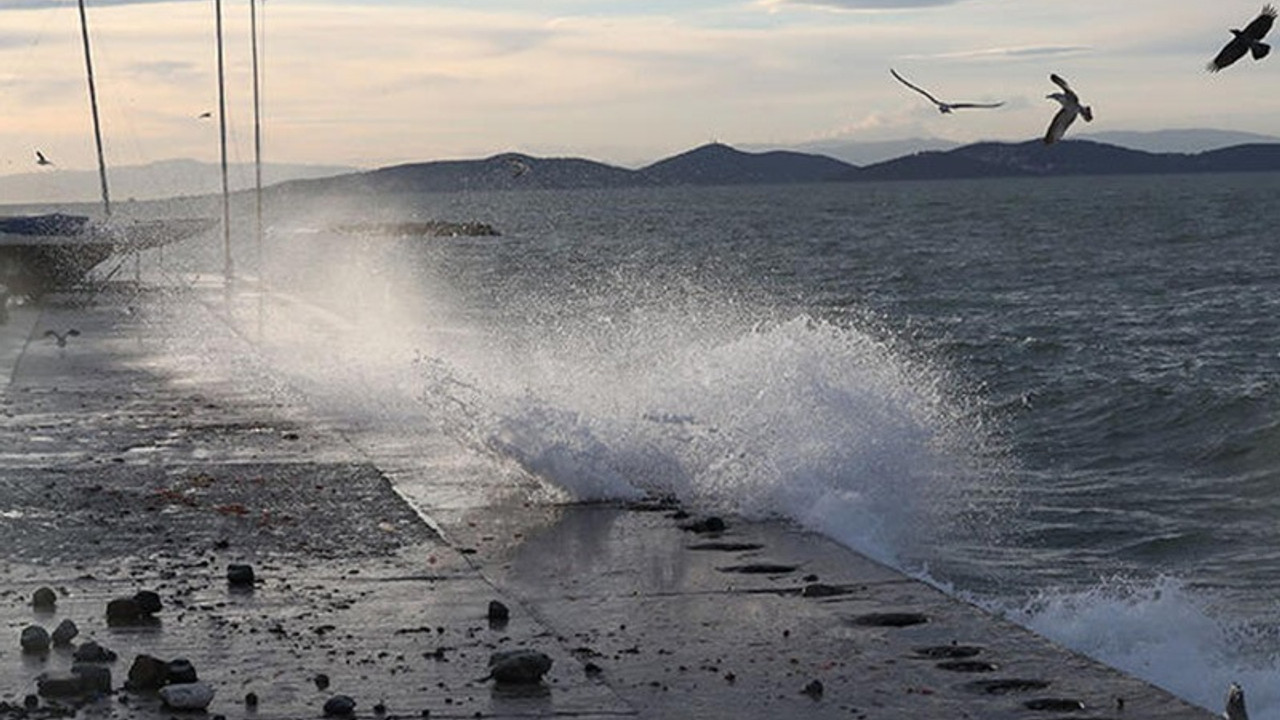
<point x="376" y="563"/>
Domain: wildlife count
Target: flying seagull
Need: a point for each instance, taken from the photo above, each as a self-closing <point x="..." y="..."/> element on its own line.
<point x="1248" y="40"/>
<point x="41" y="159"/>
<point x="61" y="338"/>
<point x="943" y="107"/>
<point x="1235" y="704"/>
<point x="1071" y="107"/>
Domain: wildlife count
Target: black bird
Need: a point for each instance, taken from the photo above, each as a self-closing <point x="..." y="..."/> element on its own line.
<point x="1248" y="40"/>
<point x="61" y="338"/>
<point x="205" y="115"/>
<point x="943" y="107"/>
<point x="41" y="159"/>
<point x="1071" y="107"/>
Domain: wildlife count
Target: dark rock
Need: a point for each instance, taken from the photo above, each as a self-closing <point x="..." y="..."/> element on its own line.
<point x="147" y="673"/>
<point x="711" y="524"/>
<point x="65" y="633"/>
<point x="819" y="590"/>
<point x="148" y="602"/>
<point x="240" y="575"/>
<point x="94" y="679"/>
<point x="814" y="689"/>
<point x="187" y="696"/>
<point x="35" y="639"/>
<point x="322" y="681"/>
<point x="123" y="611"/>
<point x="58" y="685"/>
<point x="380" y="709"/>
<point x="498" y="612"/>
<point x="31" y="702"/>
<point x="519" y="667"/>
<point x="93" y="652"/>
<point x="251" y="700"/>
<point x="44" y="599"/>
<point x="339" y="706"/>
<point x="181" y="671"/>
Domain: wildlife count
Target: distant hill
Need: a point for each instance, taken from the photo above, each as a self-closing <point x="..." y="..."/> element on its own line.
<point x="507" y="171"/>
<point x="1074" y="157"/>
<point x="719" y="164"/>
<point x="1193" y="140"/>
<point x="163" y="179"/>
<point x="863" y="152"/>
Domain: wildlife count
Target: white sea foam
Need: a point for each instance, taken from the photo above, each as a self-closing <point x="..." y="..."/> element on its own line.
<point x="1166" y="633"/>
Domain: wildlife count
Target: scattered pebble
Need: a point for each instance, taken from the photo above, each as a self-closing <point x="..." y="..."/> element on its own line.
<point x="519" y="667"/>
<point x="35" y="639"/>
<point x="814" y="689"/>
<point x="44" y="599"/>
<point x="340" y="706"/>
<point x="240" y="576"/>
<point x="322" y="681"/>
<point x="65" y="633"/>
<point x="93" y="652"/>
<point x="187" y="696"/>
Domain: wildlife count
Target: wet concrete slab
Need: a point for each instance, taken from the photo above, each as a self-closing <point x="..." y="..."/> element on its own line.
<point x="128" y="464"/>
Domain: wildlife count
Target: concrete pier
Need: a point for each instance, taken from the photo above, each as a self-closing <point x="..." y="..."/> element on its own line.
<point x="129" y="465"/>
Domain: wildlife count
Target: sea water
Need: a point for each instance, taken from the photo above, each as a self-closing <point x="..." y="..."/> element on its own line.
<point x="1059" y="399"/>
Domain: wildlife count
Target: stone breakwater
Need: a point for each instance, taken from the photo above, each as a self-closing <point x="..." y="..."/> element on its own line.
<point x="304" y="567"/>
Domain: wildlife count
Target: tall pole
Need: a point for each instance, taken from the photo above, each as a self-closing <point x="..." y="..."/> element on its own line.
<point x="228" y="268"/>
<point x="257" y="161"/>
<point x="93" y="104"/>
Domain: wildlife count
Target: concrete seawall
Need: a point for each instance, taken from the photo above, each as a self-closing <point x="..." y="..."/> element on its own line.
<point x="129" y="464"/>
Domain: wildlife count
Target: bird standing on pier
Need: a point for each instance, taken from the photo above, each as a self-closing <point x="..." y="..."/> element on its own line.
<point x="1071" y="107"/>
<point x="1235" y="704"/>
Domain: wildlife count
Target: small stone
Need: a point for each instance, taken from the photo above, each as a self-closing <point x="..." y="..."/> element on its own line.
<point x="339" y="706"/>
<point x="380" y="709"/>
<point x="35" y="639"/>
<point x="519" y="667"/>
<point x="322" y="681"/>
<point x="187" y="696"/>
<point x="58" y="685"/>
<point x="93" y="652"/>
<point x="148" y="602"/>
<point x="65" y="633"/>
<point x="94" y="679"/>
<point x="814" y="689"/>
<point x="251" y="700"/>
<point x="711" y="524"/>
<point x="123" y="610"/>
<point x="240" y="575"/>
<point x="180" y="671"/>
<point x="44" y="599"/>
<point x="147" y="673"/>
<point x="498" y="612"/>
<point x="31" y="702"/>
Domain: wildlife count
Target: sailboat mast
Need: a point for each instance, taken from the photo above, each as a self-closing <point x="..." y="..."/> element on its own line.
<point x="257" y="132"/>
<point x="93" y="104"/>
<point x="222" y="125"/>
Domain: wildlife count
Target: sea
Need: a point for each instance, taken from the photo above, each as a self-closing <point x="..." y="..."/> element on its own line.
<point x="1056" y="398"/>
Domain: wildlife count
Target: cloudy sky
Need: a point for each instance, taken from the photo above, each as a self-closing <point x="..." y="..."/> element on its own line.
<point x="376" y="82"/>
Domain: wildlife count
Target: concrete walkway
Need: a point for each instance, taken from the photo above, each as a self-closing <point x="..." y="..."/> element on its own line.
<point x="377" y="561"/>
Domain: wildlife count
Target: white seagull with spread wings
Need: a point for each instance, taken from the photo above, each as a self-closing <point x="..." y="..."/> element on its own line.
<point x="943" y="107"/>
<point x="1071" y="107"/>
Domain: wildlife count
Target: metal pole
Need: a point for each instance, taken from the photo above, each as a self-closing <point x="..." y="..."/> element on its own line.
<point x="228" y="268"/>
<point x="257" y="160"/>
<point x="93" y="104"/>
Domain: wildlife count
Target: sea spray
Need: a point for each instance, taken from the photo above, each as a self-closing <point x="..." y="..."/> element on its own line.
<point x="1174" y="636"/>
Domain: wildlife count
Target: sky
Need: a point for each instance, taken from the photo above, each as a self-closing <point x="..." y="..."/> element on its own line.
<point x="370" y="83"/>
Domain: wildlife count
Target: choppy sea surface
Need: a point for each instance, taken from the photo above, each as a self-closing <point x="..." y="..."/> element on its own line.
<point x="1059" y="399"/>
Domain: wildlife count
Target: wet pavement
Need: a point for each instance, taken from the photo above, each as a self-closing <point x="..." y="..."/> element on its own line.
<point x="126" y="464"/>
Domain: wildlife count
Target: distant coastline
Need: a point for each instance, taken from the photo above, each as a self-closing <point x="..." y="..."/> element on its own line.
<point x="720" y="164"/>
<point x="711" y="164"/>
